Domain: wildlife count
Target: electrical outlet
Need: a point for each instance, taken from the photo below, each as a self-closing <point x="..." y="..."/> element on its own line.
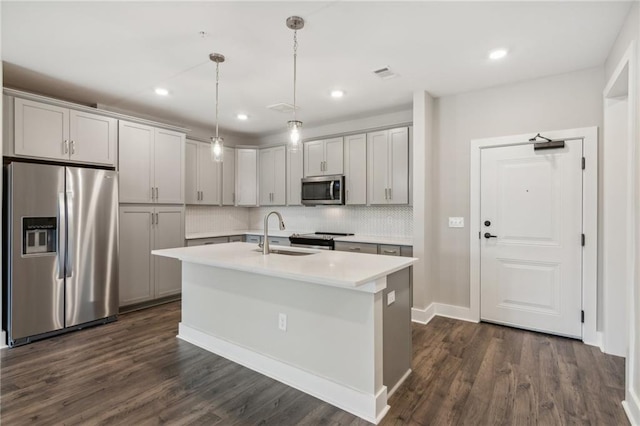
<point x="456" y="222"/>
<point x="282" y="322"/>
<point x="391" y="297"/>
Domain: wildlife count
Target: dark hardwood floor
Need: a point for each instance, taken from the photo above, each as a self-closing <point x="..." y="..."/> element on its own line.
<point x="135" y="372"/>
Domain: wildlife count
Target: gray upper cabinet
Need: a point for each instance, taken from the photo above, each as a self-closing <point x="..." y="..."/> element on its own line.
<point x="246" y="177"/>
<point x="294" y="177"/>
<point x="272" y="176"/>
<point x="324" y="157"/>
<point x="52" y="132"/>
<point x="202" y="175"/>
<point x="229" y="177"/>
<point x="151" y="164"/>
<point x="388" y="166"/>
<point x="355" y="169"/>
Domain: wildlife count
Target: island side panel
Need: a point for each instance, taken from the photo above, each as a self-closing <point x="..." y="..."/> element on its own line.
<point x="397" y="349"/>
<point x="331" y="332"/>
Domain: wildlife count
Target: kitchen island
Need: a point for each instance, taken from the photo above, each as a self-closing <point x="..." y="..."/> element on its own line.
<point x="333" y="324"/>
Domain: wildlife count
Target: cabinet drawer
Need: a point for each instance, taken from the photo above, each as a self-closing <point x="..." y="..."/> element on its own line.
<point x="388" y="250"/>
<point x="357" y="247"/>
<point x="207" y="241"/>
<point x="406" y="251"/>
<point x="236" y="238"/>
<point x="279" y="241"/>
<point x="253" y="239"/>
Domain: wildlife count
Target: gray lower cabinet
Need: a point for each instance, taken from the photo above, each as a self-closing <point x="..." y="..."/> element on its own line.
<point x="279" y="241"/>
<point x="356" y="247"/>
<point x="144" y="277"/>
<point x="396" y="328"/>
<point x="254" y="239"/>
<point x="214" y="240"/>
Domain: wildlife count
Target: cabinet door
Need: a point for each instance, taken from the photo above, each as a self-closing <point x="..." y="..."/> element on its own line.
<point x="168" y="166"/>
<point x="313" y="158"/>
<point x="135" y="278"/>
<point x="266" y="181"/>
<point x="93" y="138"/>
<point x="333" y="156"/>
<point x="377" y="166"/>
<point x="294" y="177"/>
<point x="279" y="176"/>
<point x="134" y="162"/>
<point x="229" y="177"/>
<point x="398" y="166"/>
<point x="41" y="130"/>
<point x="191" y="192"/>
<point x="209" y="175"/>
<point x="168" y="232"/>
<point x="246" y="177"/>
<point x="355" y="169"/>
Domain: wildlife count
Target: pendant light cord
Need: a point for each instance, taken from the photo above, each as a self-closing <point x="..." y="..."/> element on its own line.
<point x="295" y="56"/>
<point x="217" y="78"/>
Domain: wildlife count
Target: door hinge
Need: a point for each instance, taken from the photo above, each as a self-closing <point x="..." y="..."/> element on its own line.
<point x="583" y="240"/>
<point x="582" y="316"/>
<point x="584" y="163"/>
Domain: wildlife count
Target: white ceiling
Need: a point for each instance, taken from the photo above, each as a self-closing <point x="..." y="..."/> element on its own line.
<point x="115" y="53"/>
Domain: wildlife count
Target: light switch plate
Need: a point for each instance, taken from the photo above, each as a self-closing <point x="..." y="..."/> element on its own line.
<point x="456" y="222"/>
<point x="391" y="297"/>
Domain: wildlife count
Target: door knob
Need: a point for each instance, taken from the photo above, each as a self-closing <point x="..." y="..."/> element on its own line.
<point x="487" y="223"/>
<point x="488" y="235"/>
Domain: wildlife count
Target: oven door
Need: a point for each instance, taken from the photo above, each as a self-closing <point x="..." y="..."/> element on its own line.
<point x="323" y="190"/>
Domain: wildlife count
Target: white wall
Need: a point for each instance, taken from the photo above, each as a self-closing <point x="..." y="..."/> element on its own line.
<point x="559" y="102"/>
<point x="631" y="32"/>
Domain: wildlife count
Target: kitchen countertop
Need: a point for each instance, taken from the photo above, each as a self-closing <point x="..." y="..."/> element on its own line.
<point x="333" y="268"/>
<point x="397" y="241"/>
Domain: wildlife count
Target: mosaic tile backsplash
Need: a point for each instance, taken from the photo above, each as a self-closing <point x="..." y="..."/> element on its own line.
<point x="383" y="221"/>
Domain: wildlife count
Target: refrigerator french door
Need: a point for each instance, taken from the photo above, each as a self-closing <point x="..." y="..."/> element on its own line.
<point x="62" y="231"/>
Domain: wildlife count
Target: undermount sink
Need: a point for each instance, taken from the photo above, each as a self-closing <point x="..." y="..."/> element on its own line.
<point x="288" y="252"/>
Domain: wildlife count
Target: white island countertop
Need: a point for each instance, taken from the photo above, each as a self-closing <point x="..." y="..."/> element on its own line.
<point x="333" y="268"/>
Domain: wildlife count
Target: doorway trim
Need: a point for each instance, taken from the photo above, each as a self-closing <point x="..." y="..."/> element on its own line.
<point x="589" y="220"/>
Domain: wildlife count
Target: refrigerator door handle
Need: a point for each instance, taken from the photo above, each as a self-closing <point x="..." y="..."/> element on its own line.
<point x="62" y="235"/>
<point x="70" y="252"/>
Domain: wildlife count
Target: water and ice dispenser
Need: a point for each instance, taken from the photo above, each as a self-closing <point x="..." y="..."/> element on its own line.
<point x="39" y="235"/>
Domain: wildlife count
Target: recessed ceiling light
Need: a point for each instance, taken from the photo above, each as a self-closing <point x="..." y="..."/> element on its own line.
<point x="337" y="93"/>
<point x="242" y="116"/>
<point x="161" y="92"/>
<point x="497" y="54"/>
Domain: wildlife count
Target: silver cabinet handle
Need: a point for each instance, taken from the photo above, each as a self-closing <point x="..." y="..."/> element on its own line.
<point x="386" y="197"/>
<point x="390" y="196"/>
<point x="157" y="193"/>
<point x="389" y="251"/>
<point x="157" y="219"/>
<point x="65" y="146"/>
<point x="233" y="197"/>
<point x="347" y="195"/>
<point x="152" y="219"/>
<point x="354" y="248"/>
<point x="152" y="194"/>
<point x="73" y="147"/>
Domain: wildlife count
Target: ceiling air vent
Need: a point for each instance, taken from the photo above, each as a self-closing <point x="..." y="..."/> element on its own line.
<point x="282" y="107"/>
<point x="384" y="73"/>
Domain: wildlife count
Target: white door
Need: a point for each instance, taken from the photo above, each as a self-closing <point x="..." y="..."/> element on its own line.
<point x="266" y="177"/>
<point x="93" y="138"/>
<point x="168" y="166"/>
<point x="398" y="166"/>
<point x="246" y="177"/>
<point x="294" y="178"/>
<point x="41" y="130"/>
<point x="531" y="237"/>
<point x="378" y="166"/>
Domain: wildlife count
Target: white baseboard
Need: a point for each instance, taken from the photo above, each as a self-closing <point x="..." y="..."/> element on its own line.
<point x="632" y="407"/>
<point x="3" y="340"/>
<point x="400" y="382"/>
<point x="423" y="316"/>
<point x="369" y="407"/>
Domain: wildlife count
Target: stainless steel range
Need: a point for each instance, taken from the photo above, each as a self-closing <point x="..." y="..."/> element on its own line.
<point x="317" y="240"/>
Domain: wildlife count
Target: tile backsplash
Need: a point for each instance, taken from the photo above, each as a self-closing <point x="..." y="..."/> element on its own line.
<point x="383" y="221"/>
<point x="213" y="219"/>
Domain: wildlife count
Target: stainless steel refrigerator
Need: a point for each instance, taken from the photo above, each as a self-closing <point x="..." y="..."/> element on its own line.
<point x="62" y="245"/>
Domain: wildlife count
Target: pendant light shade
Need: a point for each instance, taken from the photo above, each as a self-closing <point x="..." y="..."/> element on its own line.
<point x="217" y="143"/>
<point x="295" y="23"/>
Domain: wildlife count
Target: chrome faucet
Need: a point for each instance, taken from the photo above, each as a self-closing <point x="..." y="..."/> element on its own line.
<point x="265" y="244"/>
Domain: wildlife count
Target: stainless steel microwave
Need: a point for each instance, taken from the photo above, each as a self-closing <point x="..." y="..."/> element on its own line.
<point x="323" y="190"/>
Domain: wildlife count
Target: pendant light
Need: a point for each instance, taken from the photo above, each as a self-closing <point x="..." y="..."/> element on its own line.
<point x="295" y="23"/>
<point x="217" y="143"/>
